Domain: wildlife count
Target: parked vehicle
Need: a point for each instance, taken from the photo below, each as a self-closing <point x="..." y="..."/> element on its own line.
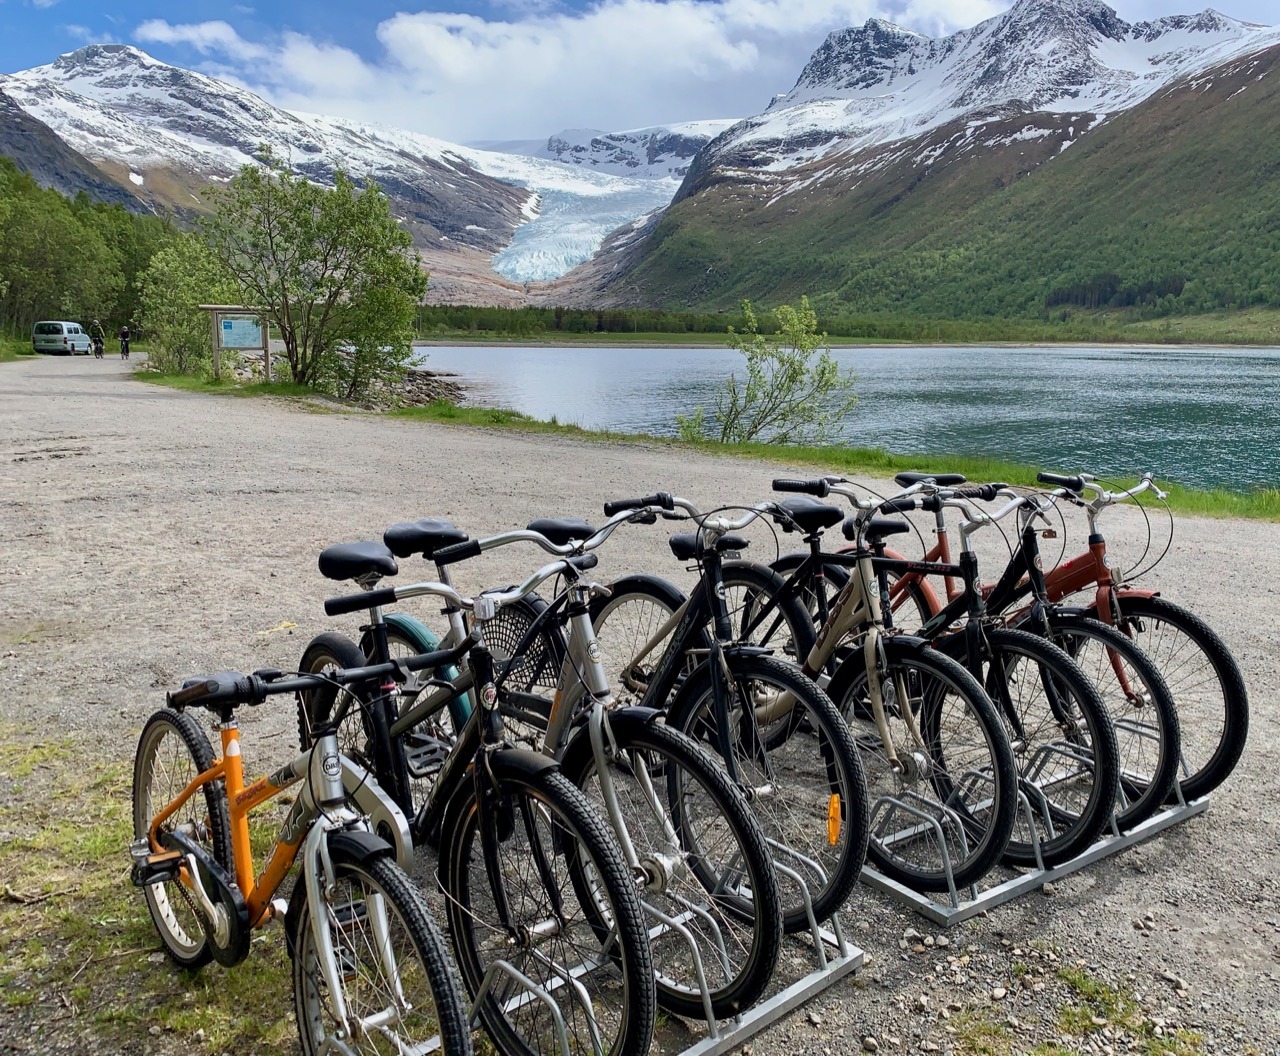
<point x="60" y="338"/>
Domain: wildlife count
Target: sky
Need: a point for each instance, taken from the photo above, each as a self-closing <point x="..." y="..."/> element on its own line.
<point x="488" y="70"/>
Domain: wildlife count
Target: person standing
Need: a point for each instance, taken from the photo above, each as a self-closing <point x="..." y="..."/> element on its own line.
<point x="124" y="341"/>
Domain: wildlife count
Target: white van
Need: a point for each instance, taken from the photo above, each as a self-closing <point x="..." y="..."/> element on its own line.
<point x="60" y="338"/>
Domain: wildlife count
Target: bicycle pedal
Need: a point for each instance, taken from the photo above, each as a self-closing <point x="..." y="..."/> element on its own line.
<point x="424" y="755"/>
<point x="156" y="868"/>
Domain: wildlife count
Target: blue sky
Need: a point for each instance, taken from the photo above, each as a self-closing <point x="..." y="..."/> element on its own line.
<point x="503" y="69"/>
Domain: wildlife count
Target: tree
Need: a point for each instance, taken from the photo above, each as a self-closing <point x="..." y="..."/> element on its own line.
<point x="788" y="397"/>
<point x="329" y="267"/>
<point x="182" y="276"/>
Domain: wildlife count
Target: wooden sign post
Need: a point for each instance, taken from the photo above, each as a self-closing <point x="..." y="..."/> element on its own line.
<point x="238" y="328"/>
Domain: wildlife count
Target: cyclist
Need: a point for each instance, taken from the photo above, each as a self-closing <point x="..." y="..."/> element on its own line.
<point x="98" y="337"/>
<point x="124" y="341"/>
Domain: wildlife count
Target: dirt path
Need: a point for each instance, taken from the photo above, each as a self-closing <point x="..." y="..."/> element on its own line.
<point x="149" y="533"/>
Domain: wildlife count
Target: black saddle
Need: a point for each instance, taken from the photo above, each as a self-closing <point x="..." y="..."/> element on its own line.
<point x="877" y="528"/>
<point x="357" y="561"/>
<point x="810" y="514"/>
<point x="943" y="480"/>
<point x="562" y="530"/>
<point x="423" y="537"/>
<point x="688" y="545"/>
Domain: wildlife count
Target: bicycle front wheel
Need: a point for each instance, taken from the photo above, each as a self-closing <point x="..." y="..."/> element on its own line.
<point x="705" y="859"/>
<point x="542" y="894"/>
<point x="629" y="625"/>
<point x="172" y="752"/>
<point x="399" y="989"/>
<point x="798" y="765"/>
<point x="1148" y="733"/>
<point x="1064" y="743"/>
<point x="943" y="813"/>
<point x="1205" y="680"/>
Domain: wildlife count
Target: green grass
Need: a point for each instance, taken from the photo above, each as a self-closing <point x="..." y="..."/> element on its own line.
<point x="227" y="386"/>
<point x="1094" y="1001"/>
<point x="13" y="349"/>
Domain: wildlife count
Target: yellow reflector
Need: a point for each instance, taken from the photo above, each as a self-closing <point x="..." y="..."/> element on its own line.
<point x="833" y="819"/>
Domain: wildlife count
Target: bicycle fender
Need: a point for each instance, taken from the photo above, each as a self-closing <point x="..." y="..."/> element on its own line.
<point x="740" y="649"/>
<point x="385" y="816"/>
<point x="672" y="594"/>
<point x="1137" y="592"/>
<point x="577" y="752"/>
<point x="351" y="845"/>
<point x="789" y="562"/>
<point x="847" y="672"/>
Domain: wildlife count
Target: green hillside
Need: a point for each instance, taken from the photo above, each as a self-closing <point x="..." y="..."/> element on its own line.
<point x="1173" y="206"/>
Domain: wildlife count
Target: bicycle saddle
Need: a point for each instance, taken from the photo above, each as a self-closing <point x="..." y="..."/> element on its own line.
<point x="423" y="537"/>
<point x="562" y="530"/>
<point x="810" y="514"/>
<point x="688" y="545"/>
<point x="357" y="561"/>
<point x="943" y="480"/>
<point x="877" y="528"/>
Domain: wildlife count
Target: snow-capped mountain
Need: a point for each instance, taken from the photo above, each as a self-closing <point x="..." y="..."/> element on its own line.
<point x="168" y="132"/>
<point x="878" y="83"/>
<point x="659" y="152"/>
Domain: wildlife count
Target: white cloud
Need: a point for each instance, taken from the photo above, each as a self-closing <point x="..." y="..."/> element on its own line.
<point x="205" y="37"/>
<point x="79" y="32"/>
<point x="42" y="4"/>
<point x="617" y="64"/>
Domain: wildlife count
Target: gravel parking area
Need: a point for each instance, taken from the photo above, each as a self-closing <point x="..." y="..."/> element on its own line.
<point x="150" y="533"/>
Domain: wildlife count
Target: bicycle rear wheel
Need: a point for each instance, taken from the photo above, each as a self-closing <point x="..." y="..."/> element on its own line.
<point x="398" y="983"/>
<point x="573" y="924"/>
<point x="799" y="768"/>
<point x="704" y="856"/>
<point x="627" y="624"/>
<point x="172" y="752"/>
<point x="1205" y="680"/>
<point x="943" y="816"/>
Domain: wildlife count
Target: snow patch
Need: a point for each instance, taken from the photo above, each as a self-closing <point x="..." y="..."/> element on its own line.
<point x="135" y="179"/>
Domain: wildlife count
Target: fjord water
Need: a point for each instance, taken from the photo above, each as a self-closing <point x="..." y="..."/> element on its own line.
<point x="1203" y="417"/>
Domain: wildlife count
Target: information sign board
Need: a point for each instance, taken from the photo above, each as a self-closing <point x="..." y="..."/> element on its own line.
<point x="240" y="332"/>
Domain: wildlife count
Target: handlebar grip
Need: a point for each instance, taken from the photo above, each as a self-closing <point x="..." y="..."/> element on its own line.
<point x="584" y="562"/>
<point x="355" y="602"/>
<point x="985" y="492"/>
<point x="457" y="552"/>
<point x="191" y="692"/>
<point x="820" y="488"/>
<point x="902" y="504"/>
<point x="661" y="498"/>
<point x="1070" y="483"/>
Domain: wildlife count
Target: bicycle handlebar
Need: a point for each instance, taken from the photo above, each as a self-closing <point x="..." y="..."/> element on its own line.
<point x="232" y="688"/>
<point x="457" y="552"/>
<point x="355" y="602"/>
<point x="1076" y="483"/>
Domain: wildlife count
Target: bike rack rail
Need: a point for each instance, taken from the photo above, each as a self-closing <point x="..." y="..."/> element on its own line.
<point x="956" y="909"/>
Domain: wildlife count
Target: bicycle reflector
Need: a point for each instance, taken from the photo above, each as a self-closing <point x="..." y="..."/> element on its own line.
<point x="833" y="819"/>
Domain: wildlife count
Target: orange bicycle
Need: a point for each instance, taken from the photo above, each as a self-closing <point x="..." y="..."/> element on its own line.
<point x="371" y="972"/>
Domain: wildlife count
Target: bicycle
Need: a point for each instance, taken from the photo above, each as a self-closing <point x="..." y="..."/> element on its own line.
<point x="1133" y="691"/>
<point x="704" y="861"/>
<point x="1062" y="740"/>
<point x="808" y="790"/>
<point x="1202" y="675"/>
<point x="371" y="972"/>
<point x="545" y="919"/>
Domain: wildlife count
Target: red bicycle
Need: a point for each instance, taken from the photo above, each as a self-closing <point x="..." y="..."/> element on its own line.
<point x="1204" y="678"/>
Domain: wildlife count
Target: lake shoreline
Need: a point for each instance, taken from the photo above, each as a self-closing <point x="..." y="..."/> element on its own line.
<point x="719" y="343"/>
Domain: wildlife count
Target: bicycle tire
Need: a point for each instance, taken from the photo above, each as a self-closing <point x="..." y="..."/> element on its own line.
<point x="624" y="622"/>
<point x="788" y="630"/>
<point x="624" y="995"/>
<point x="967" y="736"/>
<point x="1209" y="691"/>
<point x="827" y="788"/>
<point x="160" y="773"/>
<point x="1080" y="803"/>
<point x="719" y="862"/>
<point x="327" y="652"/>
<point x="1145" y="719"/>
<point x="423" y="973"/>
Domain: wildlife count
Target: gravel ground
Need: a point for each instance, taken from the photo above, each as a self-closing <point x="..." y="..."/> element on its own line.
<point x="151" y="533"/>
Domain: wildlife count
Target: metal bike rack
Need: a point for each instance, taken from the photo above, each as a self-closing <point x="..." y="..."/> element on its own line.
<point x="842" y="960"/>
<point x="957" y="909"/>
